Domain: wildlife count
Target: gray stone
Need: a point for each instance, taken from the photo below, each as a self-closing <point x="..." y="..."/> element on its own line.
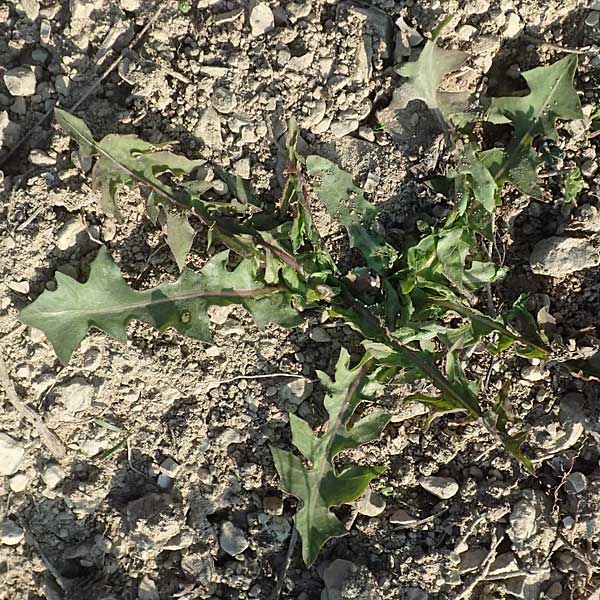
<point x="261" y="19"/>
<point x="442" y="487"/>
<point x="10" y="533"/>
<point x="208" y="129"/>
<point x="279" y="529"/>
<point x="296" y="390"/>
<point x="576" y="483"/>
<point x="319" y="335"/>
<point x="560" y="256"/>
<point x="20" y="81"/>
<point x="223" y="100"/>
<point x="232" y="539"/>
<point x="370" y="504"/>
<point x="273" y="505"/>
<point x="401" y="517"/>
<point x="11" y="455"/>
<point x="53" y="476"/>
<point x="337" y="573"/>
<point x="9" y="132"/>
<point x="523" y="518"/>
<point x="341" y="128"/>
<point x="169" y="468"/>
<point x="593" y="18"/>
<point x="147" y="589"/>
<point x="472" y="559"/>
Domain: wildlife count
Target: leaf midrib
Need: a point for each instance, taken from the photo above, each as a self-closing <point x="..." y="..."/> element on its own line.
<point x="126" y="307"/>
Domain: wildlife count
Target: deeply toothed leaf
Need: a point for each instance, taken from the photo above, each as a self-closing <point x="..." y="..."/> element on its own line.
<point x="106" y="302"/>
<point x="125" y="160"/>
<point x="318" y="484"/>
<point x="346" y="204"/>
<point x="425" y="76"/>
<point x="551" y="96"/>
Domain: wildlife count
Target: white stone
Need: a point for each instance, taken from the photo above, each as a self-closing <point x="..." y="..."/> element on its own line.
<point x="77" y="395"/>
<point x="53" y="476"/>
<point x="31" y="8"/>
<point x="18" y="483"/>
<point x="41" y="158"/>
<point x="66" y="236"/>
<point x="466" y="32"/>
<point x="232" y="539"/>
<point x="20" y="81"/>
<point x="10" y="533"/>
<point x="442" y="487"/>
<point x="261" y="19"/>
<point x="241" y="167"/>
<point x="81" y="10"/>
<point x="21" y="287"/>
<point x="513" y="25"/>
<point x="370" y="504"/>
<point x="11" y="455"/>
<point x="130" y="5"/>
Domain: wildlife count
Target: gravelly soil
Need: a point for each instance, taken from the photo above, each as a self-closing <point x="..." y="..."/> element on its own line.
<point x="152" y="520"/>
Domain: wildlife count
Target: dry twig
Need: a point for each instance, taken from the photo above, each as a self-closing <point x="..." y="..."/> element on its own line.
<point x="49" y="439"/>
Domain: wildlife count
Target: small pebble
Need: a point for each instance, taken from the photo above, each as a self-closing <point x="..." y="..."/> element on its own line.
<point x="593" y="18"/>
<point x="319" y="335"/>
<point x="273" y="505"/>
<point x="261" y="19"/>
<point x="21" y="287"/>
<point x="513" y="25"/>
<point x="11" y="455"/>
<point x="466" y="32"/>
<point x="18" y="483"/>
<point x="401" y="517"/>
<point x="169" y="468"/>
<point x="20" y="81"/>
<point x="339" y="129"/>
<point x="576" y="483"/>
<point x="232" y="539"/>
<point x="10" y="533"/>
<point x="555" y="590"/>
<point x="442" y="487"/>
<point x="296" y="390"/>
<point x="53" y="476"/>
